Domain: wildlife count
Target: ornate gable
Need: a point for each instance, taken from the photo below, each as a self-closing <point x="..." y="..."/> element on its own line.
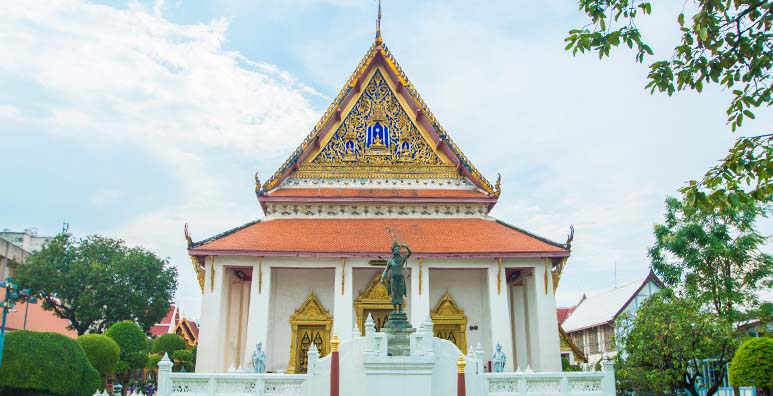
<point x="378" y="133"/>
<point x="413" y="144"/>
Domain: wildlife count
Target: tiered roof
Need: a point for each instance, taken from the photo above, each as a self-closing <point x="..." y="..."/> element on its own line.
<point x="378" y="158"/>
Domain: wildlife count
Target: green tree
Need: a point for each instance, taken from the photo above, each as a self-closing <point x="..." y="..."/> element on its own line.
<point x="98" y="281"/>
<point x="728" y="43"/>
<point x="103" y="354"/>
<point x="132" y="341"/>
<point x="664" y="343"/>
<point x="168" y="343"/>
<point x="713" y="256"/>
<point x="38" y="363"/>
<point x="752" y="364"/>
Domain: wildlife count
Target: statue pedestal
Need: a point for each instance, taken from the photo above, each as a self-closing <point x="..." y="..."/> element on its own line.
<point x="398" y="331"/>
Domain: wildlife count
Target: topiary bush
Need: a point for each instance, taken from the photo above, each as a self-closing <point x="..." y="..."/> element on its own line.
<point x="37" y="363"/>
<point x="102" y="352"/>
<point x="168" y="343"/>
<point x="752" y="364"/>
<point x="129" y="337"/>
<point x="183" y="359"/>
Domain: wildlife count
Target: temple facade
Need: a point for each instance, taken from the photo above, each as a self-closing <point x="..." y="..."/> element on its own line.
<point x="377" y="168"/>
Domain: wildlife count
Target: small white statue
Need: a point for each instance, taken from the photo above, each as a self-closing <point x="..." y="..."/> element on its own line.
<point x="499" y="359"/>
<point x="259" y="359"/>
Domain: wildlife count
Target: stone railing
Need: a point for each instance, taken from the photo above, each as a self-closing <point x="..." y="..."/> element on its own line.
<point x="236" y="384"/>
<point x="592" y="383"/>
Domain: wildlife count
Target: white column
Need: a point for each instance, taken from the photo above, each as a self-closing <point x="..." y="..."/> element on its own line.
<point x="342" y="300"/>
<point x="499" y="306"/>
<point x="532" y="330"/>
<point x="548" y="346"/>
<point x="257" y="320"/>
<point x="419" y="292"/>
<point x="211" y="351"/>
<point x="519" y="314"/>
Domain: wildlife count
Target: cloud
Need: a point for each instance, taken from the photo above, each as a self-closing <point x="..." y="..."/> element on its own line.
<point x="130" y="77"/>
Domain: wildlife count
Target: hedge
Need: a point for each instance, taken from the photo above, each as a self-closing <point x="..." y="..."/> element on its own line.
<point x="102" y="352"/>
<point x="168" y="343"/>
<point x="129" y="337"/>
<point x="37" y="363"/>
<point x="752" y="364"/>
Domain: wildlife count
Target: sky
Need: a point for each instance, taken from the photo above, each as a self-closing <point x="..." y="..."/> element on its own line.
<point x="130" y="119"/>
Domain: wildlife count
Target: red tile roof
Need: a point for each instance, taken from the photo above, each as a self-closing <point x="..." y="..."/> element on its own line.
<point x="369" y="237"/>
<point x="564" y="313"/>
<point x="376" y="193"/>
<point x="169" y="321"/>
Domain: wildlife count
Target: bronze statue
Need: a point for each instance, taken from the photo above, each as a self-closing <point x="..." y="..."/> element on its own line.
<point x="396" y="283"/>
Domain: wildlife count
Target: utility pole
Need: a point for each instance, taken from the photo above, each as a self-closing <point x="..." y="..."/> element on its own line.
<point x="11" y="293"/>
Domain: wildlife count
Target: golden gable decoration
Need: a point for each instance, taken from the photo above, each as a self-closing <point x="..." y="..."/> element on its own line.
<point x="450" y="322"/>
<point x="374" y="301"/>
<point x="377" y="137"/>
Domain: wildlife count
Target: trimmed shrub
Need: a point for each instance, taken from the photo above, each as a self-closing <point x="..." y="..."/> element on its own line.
<point x="102" y="351"/>
<point x="92" y="381"/>
<point x="183" y="359"/>
<point x="45" y="364"/>
<point x="153" y="362"/>
<point x="129" y="337"/>
<point x="752" y="364"/>
<point x="168" y="343"/>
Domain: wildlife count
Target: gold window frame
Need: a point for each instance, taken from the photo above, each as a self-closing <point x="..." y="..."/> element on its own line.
<point x="310" y="313"/>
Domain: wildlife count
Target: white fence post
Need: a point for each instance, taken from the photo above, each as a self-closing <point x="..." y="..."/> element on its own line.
<point x="608" y="382"/>
<point x="164" y="369"/>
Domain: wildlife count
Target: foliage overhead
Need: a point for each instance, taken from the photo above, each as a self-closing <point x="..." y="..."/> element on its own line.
<point x="713" y="256"/>
<point x="168" y="343"/>
<point x="103" y="353"/>
<point x="129" y="337"/>
<point x="98" y="281"/>
<point x="46" y="363"/>
<point x="752" y="364"/>
<point x="728" y="43"/>
<point x="667" y="337"/>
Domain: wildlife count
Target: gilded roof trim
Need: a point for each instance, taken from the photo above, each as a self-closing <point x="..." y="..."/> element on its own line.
<point x="374" y="49"/>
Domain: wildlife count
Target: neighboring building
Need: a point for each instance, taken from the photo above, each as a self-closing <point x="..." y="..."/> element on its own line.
<point x="591" y="323"/>
<point x="175" y="322"/>
<point x="27" y="239"/>
<point x="377" y="166"/>
<point x="23" y="315"/>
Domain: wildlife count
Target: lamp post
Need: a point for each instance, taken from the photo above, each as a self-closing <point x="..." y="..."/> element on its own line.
<point x="11" y="294"/>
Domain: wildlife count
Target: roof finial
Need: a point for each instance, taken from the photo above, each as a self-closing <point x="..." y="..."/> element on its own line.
<point x="378" y="24"/>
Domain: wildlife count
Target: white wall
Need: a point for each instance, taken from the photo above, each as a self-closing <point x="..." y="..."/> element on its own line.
<point x="468" y="287"/>
<point x="289" y="289"/>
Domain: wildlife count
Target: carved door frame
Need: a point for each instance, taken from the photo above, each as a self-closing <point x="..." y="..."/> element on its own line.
<point x="447" y="313"/>
<point x="310" y="313"/>
<point x="374" y="297"/>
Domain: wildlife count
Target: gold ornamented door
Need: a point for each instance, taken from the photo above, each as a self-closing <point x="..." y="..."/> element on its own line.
<point x="450" y="322"/>
<point x="310" y="324"/>
<point x="374" y="301"/>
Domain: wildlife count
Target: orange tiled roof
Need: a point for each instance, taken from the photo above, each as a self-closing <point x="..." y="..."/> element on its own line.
<point x="368" y="237"/>
<point x="376" y="193"/>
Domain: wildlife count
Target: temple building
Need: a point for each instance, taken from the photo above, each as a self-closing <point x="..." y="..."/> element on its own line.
<point x="377" y="167"/>
<point x="175" y="322"/>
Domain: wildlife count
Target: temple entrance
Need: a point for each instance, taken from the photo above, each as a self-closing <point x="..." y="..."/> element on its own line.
<point x="450" y="322"/>
<point x="311" y="324"/>
<point x="374" y="300"/>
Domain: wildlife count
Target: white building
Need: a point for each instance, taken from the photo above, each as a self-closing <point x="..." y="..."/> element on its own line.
<point x="377" y="167"/>
<point x="28" y="239"/>
<point x="591" y="325"/>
